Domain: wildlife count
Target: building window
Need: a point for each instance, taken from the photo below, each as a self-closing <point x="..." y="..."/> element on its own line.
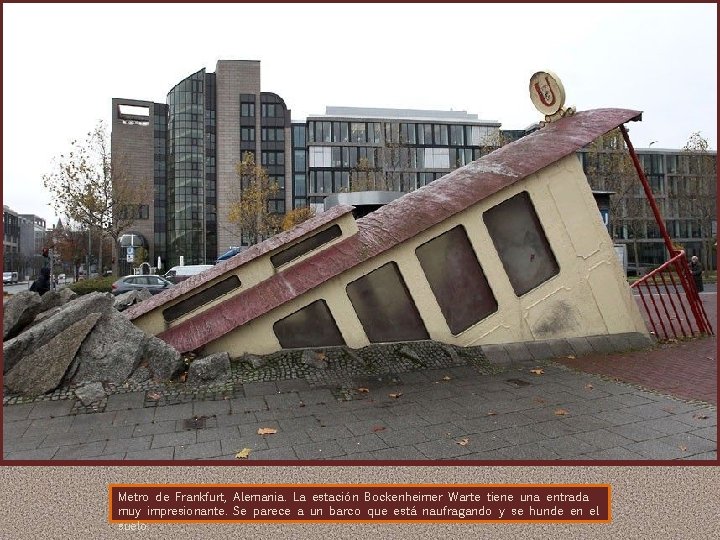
<point x="272" y="158"/>
<point x="311" y="326"/>
<point x="273" y="134"/>
<point x="441" y="133"/>
<point x="247" y="109"/>
<point x="247" y="134"/>
<point x="457" y="136"/>
<point x="456" y="279"/>
<point x="385" y="308"/>
<point x="374" y="132"/>
<point x="357" y="132"/>
<point x="521" y="243"/>
<point x="300" y="160"/>
<point x="270" y="110"/>
<point x="407" y="134"/>
<point x="437" y="158"/>
<point x="320" y="156"/>
<point x="129" y="211"/>
<point x="299" y="136"/>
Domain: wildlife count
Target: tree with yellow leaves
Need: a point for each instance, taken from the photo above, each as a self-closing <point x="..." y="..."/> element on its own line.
<point x="249" y="210"/>
<point x="297" y="216"/>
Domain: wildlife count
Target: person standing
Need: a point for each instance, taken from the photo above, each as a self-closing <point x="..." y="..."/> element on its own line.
<point x="696" y="271"/>
<point x="42" y="284"/>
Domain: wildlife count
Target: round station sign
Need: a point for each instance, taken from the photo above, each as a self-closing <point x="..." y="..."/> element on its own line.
<point x="547" y="92"/>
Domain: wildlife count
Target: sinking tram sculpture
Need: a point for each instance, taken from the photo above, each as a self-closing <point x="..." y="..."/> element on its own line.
<point x="510" y="248"/>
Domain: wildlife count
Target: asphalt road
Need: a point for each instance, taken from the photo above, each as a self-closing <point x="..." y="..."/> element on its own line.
<point x="25" y="285"/>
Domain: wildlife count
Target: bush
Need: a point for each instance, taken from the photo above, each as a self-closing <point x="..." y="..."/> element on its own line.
<point x="85" y="286"/>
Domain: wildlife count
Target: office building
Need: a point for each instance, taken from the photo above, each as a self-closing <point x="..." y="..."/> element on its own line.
<point x="185" y="152"/>
<point x="187" y="149"/>
<point x="23" y="241"/>
<point x="684" y="185"/>
<point x="396" y="150"/>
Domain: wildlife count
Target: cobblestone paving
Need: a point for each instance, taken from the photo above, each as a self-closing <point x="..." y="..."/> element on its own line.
<point x="419" y="403"/>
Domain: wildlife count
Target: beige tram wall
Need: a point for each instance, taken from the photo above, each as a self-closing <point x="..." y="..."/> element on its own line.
<point x="589" y="295"/>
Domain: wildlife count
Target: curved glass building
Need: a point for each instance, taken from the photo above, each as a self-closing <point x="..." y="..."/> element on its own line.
<point x="188" y="149"/>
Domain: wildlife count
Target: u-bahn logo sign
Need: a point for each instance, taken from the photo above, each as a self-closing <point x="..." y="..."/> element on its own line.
<point x="548" y="95"/>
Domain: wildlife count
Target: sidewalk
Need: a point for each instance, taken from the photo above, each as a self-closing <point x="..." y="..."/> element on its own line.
<point x="524" y="410"/>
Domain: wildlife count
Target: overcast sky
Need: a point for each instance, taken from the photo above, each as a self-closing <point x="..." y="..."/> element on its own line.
<point x="62" y="65"/>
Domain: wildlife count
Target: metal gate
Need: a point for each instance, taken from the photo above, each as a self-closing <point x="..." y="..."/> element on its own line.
<point x="665" y="303"/>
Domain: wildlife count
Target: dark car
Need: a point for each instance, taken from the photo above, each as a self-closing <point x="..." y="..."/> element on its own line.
<point x="229" y="253"/>
<point x="153" y="284"/>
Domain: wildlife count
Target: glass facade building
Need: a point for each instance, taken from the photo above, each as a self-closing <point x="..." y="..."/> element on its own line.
<point x="189" y="148"/>
<point x="185" y="204"/>
<point x="362" y="149"/>
<point x="684" y="186"/>
<point x="209" y="121"/>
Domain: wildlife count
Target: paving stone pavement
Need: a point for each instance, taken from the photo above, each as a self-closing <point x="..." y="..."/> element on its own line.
<point x="531" y="409"/>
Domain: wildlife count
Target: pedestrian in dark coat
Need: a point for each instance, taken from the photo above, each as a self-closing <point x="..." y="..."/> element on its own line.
<point x="696" y="271"/>
<point x="42" y="284"/>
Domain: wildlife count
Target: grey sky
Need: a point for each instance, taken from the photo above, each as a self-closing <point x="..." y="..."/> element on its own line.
<point x="62" y="64"/>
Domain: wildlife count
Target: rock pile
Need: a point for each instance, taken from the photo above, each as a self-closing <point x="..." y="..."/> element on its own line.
<point x="59" y="340"/>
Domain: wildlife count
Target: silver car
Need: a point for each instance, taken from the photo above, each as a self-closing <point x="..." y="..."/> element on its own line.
<point x="153" y="284"/>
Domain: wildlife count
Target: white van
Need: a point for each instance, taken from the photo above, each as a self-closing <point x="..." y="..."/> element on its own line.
<point x="179" y="273"/>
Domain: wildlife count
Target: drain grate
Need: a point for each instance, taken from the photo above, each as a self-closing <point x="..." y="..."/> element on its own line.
<point x="196" y="422"/>
<point x="519" y="382"/>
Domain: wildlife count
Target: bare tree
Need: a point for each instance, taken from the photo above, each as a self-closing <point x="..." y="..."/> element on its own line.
<point x="698" y="197"/>
<point x="363" y="177"/>
<point x="608" y="167"/>
<point x="249" y="210"/>
<point x="88" y="190"/>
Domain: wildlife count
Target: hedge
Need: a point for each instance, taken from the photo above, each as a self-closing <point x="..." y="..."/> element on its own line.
<point x="85" y="286"/>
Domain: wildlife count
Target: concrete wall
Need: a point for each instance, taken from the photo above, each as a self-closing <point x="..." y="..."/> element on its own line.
<point x="589" y="295"/>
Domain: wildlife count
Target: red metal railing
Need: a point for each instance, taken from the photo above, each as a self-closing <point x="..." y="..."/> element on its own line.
<point x="666" y="305"/>
<point x="660" y="306"/>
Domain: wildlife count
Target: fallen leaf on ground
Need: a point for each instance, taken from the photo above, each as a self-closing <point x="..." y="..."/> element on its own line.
<point x="363" y="390"/>
<point x="154" y="395"/>
<point x="378" y="428"/>
<point x="395" y="395"/>
<point x="463" y="442"/>
<point x="571" y="357"/>
<point x="561" y="412"/>
<point x="537" y="371"/>
<point x="243" y="454"/>
<point x="700" y="416"/>
<point x="589" y="386"/>
<point x="266" y="431"/>
<point x="683" y="448"/>
<point x="447" y="378"/>
<point x="491" y="413"/>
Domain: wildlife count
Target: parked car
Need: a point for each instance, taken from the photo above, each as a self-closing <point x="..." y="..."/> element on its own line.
<point x="229" y="253"/>
<point x="10" y="277"/>
<point x="153" y="284"/>
<point x="180" y="273"/>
